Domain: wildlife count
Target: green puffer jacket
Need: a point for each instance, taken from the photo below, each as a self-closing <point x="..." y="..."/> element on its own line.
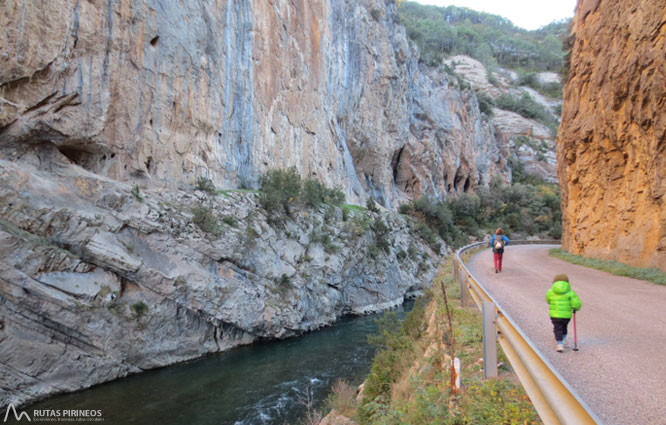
<point x="562" y="300"/>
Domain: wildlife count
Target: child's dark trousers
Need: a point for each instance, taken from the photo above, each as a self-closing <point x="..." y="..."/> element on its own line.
<point x="559" y="327"/>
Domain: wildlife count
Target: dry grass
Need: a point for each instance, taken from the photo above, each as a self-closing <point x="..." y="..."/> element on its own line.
<point x="343" y="398"/>
<point x="421" y="392"/>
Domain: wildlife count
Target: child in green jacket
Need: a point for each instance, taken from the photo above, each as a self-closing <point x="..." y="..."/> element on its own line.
<point x="562" y="301"/>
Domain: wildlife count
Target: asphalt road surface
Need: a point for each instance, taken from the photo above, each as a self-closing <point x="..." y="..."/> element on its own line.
<point x="620" y="368"/>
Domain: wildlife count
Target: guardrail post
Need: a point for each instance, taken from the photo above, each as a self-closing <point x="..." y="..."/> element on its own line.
<point x="456" y="269"/>
<point x="489" y="340"/>
<point x="464" y="291"/>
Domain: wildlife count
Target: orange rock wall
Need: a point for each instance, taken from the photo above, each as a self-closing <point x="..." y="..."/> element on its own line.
<point x="612" y="141"/>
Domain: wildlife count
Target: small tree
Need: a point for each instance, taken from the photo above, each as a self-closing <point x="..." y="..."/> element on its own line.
<point x="372" y="205"/>
<point x="205" y="184"/>
<point x="278" y="189"/>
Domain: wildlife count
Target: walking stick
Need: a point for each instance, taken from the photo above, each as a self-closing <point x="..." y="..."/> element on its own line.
<point x="575" y="335"/>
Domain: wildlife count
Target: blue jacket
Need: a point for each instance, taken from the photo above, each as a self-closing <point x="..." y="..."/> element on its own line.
<point x="505" y="241"/>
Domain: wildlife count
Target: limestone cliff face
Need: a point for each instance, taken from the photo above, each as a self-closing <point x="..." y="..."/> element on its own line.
<point x="161" y="92"/>
<point x="529" y="141"/>
<point x="98" y="280"/>
<point x="109" y="111"/>
<point x="612" y="141"/>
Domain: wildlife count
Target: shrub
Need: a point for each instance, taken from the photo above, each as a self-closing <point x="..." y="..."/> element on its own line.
<point x="140" y="308"/>
<point x="229" y="220"/>
<point x="205" y="219"/>
<point x="136" y="192"/>
<point x="278" y="189"/>
<point x="527" y="107"/>
<point x="530" y="206"/>
<point x="372" y="205"/>
<point x="320" y="236"/>
<point x="486" y="103"/>
<point x="342" y="398"/>
<point x="206" y="185"/>
<point x="381" y="231"/>
<point x="313" y="192"/>
<point x="345" y="214"/>
<point x="335" y="196"/>
<point x="396" y="341"/>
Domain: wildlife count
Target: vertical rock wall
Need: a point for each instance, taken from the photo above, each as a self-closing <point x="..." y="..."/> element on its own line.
<point x="612" y="141"/>
<point x="160" y="92"/>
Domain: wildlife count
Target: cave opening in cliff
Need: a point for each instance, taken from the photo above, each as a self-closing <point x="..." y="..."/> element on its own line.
<point x="149" y="164"/>
<point x="395" y="163"/>
<point x="154" y="40"/>
<point x="85" y="159"/>
<point x="457" y="179"/>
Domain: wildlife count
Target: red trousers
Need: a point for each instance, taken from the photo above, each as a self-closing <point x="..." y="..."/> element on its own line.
<point x="498" y="261"/>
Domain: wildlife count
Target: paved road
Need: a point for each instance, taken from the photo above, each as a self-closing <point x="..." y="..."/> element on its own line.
<point x="620" y="370"/>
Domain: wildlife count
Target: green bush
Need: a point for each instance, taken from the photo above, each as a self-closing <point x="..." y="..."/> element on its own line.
<point x="395" y="340"/>
<point x="440" y="32"/>
<point x="206" y="185"/>
<point x="381" y="231"/>
<point x="279" y="188"/>
<point x="486" y="103"/>
<point x="531" y="206"/>
<point x="372" y="205"/>
<point x="140" y="308"/>
<point x="283" y="189"/>
<point x="527" y="107"/>
<point x="313" y="192"/>
<point x="205" y="219"/>
<point x="321" y="236"/>
<point x="136" y="192"/>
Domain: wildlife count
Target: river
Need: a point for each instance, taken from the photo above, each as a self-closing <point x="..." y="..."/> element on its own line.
<point x="260" y="384"/>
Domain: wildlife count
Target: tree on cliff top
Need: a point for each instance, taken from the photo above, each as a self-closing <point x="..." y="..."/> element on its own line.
<point x="443" y="31"/>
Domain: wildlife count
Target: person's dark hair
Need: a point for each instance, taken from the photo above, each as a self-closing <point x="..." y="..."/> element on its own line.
<point x="499" y="231"/>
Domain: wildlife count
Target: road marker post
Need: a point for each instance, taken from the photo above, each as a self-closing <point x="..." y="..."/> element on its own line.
<point x="489" y="340"/>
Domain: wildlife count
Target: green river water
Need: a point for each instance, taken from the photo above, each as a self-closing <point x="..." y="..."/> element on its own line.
<point x="260" y="384"/>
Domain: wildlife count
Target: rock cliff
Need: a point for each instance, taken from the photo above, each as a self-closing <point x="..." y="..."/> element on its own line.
<point x="529" y="141"/>
<point x="110" y="111"/>
<point x="612" y="142"/>
<point x="161" y="92"/>
<point x="99" y="279"/>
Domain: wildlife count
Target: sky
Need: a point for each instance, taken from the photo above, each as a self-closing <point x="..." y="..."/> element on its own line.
<point x="528" y="14"/>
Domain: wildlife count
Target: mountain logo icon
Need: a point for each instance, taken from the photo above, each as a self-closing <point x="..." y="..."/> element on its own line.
<point x="17" y="416"/>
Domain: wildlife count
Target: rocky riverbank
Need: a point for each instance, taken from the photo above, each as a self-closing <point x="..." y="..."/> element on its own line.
<point x="101" y="279"/>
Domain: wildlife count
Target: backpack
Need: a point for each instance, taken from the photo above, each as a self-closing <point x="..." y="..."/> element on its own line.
<point x="498" y="245"/>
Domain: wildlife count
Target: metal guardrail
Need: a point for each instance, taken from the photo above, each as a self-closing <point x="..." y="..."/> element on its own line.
<point x="554" y="400"/>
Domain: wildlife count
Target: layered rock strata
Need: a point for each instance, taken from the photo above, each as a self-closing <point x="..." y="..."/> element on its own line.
<point x="163" y="92"/>
<point x="612" y="141"/>
<point x="99" y="279"/>
<point x="530" y="142"/>
<point x="110" y="111"/>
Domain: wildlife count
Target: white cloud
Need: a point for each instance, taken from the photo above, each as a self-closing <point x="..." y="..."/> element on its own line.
<point x="528" y="14"/>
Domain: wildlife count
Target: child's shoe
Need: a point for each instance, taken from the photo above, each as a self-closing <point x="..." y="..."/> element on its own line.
<point x="560" y="347"/>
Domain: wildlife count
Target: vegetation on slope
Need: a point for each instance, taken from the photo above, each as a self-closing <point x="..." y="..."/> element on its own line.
<point x="443" y="31"/>
<point x="409" y="381"/>
<point x="613" y="267"/>
<point x="530" y="206"/>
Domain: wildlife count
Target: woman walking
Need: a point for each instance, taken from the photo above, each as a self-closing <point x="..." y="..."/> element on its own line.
<point x="498" y="242"/>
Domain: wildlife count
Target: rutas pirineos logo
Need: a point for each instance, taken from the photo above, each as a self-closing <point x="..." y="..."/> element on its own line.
<point x="55" y="415"/>
<point x="17" y="416"/>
